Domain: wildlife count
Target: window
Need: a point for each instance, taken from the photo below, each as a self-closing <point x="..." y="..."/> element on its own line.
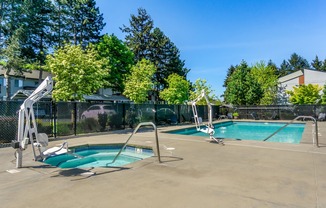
<point x="18" y="83"/>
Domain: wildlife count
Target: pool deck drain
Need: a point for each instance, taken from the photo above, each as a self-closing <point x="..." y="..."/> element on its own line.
<point x="199" y="174"/>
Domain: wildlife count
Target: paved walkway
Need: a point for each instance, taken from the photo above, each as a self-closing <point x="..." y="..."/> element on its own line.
<point x="199" y="174"/>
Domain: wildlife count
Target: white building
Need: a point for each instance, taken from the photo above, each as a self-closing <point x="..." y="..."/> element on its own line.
<point x="295" y="79"/>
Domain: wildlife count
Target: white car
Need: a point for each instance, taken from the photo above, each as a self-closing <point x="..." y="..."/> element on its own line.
<point x="94" y="110"/>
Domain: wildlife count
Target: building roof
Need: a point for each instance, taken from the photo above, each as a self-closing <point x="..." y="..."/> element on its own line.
<point x="290" y="76"/>
<point x="297" y="74"/>
<point x="33" y="74"/>
<point x="23" y="94"/>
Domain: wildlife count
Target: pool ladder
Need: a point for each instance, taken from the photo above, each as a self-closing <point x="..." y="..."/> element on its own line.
<point x="315" y="139"/>
<point x="134" y="132"/>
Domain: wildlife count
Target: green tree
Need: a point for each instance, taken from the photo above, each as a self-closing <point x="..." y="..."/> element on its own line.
<point x="166" y="58"/>
<point x="297" y="62"/>
<point x="177" y="91"/>
<point x="11" y="59"/>
<point x="231" y="69"/>
<point x="119" y="60"/>
<point x="76" y="72"/>
<point x="198" y="87"/>
<point x="139" y="82"/>
<point x="243" y="88"/>
<point x="323" y="98"/>
<point x="77" y="21"/>
<point x="316" y="64"/>
<point x="37" y="32"/>
<point x="305" y="94"/>
<point x="284" y="69"/>
<point x="138" y="35"/>
<point x="266" y="76"/>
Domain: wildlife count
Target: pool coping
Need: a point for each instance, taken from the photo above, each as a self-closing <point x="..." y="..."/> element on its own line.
<point x="304" y="140"/>
<point x="199" y="173"/>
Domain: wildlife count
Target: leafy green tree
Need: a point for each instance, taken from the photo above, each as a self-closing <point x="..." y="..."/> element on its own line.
<point x="119" y="60"/>
<point x="139" y="34"/>
<point x="177" y="91"/>
<point x="243" y="88"/>
<point x="139" y="82"/>
<point x="76" y="72"/>
<point x="305" y="94"/>
<point x="323" y="97"/>
<point x="266" y="76"/>
<point x="198" y="87"/>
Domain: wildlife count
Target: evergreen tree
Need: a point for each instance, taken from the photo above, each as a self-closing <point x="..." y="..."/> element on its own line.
<point x="284" y="69"/>
<point x="78" y="21"/>
<point x="316" y="64"/>
<point x="139" y="34"/>
<point x="293" y="64"/>
<point x="231" y="69"/>
<point x="11" y="60"/>
<point x="297" y="62"/>
<point x="37" y="32"/>
<point x="153" y="45"/>
<point x="166" y="57"/>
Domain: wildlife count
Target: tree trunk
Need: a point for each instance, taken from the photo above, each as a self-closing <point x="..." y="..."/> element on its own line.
<point x="8" y="84"/>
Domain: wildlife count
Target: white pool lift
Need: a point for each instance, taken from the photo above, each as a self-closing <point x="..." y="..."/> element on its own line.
<point x="27" y="128"/>
<point x="208" y="128"/>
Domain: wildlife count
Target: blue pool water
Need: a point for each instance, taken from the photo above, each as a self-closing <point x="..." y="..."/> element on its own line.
<point x="252" y="131"/>
<point x="99" y="156"/>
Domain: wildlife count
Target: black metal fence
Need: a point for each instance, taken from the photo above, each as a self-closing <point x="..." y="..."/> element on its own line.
<point x="75" y="118"/>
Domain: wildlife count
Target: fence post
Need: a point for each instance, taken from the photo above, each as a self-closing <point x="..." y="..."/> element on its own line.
<point x="75" y="118"/>
<point x="179" y="115"/>
<point x="54" y="119"/>
<point x="124" y="115"/>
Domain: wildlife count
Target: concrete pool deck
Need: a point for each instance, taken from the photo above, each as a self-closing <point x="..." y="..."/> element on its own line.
<point x="198" y="174"/>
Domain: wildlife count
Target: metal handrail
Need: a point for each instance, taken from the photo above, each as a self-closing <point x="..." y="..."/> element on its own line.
<point x="298" y="117"/>
<point x="134" y="132"/>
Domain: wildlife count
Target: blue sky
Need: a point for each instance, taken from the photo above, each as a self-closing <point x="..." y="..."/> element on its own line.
<point x="212" y="35"/>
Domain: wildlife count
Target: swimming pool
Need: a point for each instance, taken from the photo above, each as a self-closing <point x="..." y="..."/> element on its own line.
<point x="87" y="156"/>
<point x="251" y="131"/>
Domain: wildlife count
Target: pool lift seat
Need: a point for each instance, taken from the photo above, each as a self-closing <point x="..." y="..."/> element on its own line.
<point x="27" y="128"/>
<point x="208" y="128"/>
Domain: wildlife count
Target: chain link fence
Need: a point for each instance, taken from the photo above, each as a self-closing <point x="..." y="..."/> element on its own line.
<point x="74" y="118"/>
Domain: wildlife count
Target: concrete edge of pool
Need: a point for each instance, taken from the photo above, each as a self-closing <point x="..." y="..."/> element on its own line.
<point x="239" y="174"/>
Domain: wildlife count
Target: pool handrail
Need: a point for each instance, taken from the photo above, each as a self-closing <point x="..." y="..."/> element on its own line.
<point x="298" y="117"/>
<point x="134" y="132"/>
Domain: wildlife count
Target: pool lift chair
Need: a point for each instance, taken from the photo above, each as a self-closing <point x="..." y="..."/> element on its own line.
<point x="27" y="128"/>
<point x="208" y="128"/>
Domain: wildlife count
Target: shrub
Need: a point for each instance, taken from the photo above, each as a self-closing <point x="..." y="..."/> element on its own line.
<point x="88" y="125"/>
<point x="102" y="120"/>
<point x="8" y="129"/>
